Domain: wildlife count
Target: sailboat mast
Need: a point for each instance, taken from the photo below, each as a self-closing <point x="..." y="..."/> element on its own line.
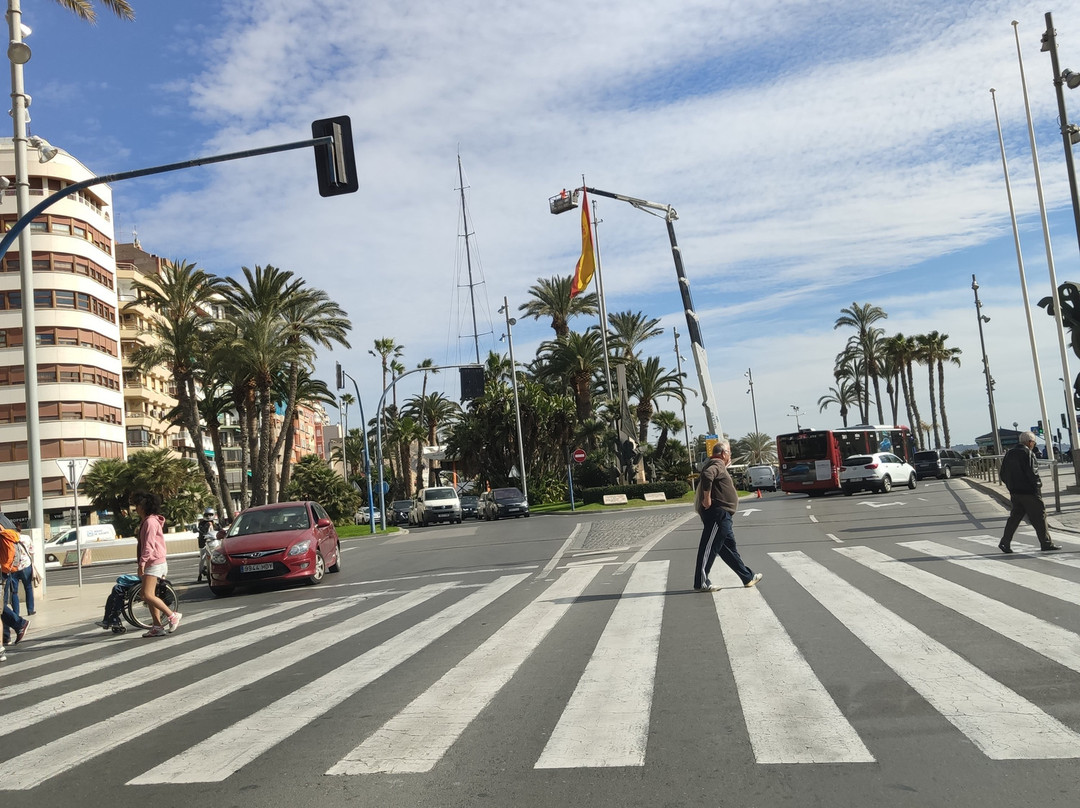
<point x="468" y="259"/>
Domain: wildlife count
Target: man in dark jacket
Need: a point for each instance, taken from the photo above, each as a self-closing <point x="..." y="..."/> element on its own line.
<point x="717" y="502"/>
<point x="1020" y="473"/>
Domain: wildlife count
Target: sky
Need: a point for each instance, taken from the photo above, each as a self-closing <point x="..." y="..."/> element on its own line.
<point x="818" y="153"/>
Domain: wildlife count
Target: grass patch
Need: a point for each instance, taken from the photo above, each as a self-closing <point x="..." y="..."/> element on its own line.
<point x="363" y="531"/>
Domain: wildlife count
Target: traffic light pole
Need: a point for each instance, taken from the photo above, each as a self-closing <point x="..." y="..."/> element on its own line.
<point x="342" y="376"/>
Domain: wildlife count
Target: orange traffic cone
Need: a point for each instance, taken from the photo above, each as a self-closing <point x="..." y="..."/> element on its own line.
<point x="759" y="493"/>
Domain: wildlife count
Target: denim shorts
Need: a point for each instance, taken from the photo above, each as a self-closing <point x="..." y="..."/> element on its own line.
<point x="157" y="570"/>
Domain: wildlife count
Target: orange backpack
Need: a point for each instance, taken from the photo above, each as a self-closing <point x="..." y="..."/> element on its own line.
<point x="8" y="541"/>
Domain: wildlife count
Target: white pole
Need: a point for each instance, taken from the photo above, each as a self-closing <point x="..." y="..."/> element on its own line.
<point x="517" y="408"/>
<point x="1049" y="261"/>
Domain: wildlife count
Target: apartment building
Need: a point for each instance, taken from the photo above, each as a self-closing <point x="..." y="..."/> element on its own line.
<point x="79" y="366"/>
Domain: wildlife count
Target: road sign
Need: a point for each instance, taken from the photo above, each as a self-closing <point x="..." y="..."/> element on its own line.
<point x="579" y="455"/>
<point x="72" y="468"/>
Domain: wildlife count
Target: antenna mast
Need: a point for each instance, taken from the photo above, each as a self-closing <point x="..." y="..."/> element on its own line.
<point x="468" y="259"/>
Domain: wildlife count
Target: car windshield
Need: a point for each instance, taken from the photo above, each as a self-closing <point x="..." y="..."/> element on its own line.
<point x="401" y="504"/>
<point x="926" y="455"/>
<point x="859" y="460"/>
<point x="508" y="493"/>
<point x="467" y="500"/>
<point x="271" y="521"/>
<point x="439" y="493"/>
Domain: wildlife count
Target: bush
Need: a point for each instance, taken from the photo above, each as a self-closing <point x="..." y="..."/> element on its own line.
<point x="675" y="489"/>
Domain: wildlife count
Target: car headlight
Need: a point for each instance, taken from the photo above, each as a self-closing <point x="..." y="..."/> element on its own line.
<point x="217" y="557"/>
<point x="300" y="548"/>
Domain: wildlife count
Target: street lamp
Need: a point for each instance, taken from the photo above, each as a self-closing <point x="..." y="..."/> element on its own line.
<point x="341" y="377"/>
<point x="19" y="54"/>
<point x="753" y="403"/>
<point x="510" y="321"/>
<point x="797" y="412"/>
<point x="982" y="318"/>
<point x="1069" y="132"/>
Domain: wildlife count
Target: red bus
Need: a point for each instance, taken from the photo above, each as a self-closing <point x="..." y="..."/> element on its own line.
<point x="810" y="459"/>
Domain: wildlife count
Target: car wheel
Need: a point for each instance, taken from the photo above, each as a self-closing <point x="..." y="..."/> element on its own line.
<point x="886" y="484"/>
<point x="337" y="560"/>
<point x="221" y="591"/>
<point x="911" y="482"/>
<point x="320" y="570"/>
<point x="948" y="472"/>
<point x="848" y="491"/>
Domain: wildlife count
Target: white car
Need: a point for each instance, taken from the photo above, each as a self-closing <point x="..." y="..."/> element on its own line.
<point x="875" y="472"/>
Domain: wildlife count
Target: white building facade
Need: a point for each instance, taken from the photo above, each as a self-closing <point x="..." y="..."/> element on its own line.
<point x="79" y="366"/>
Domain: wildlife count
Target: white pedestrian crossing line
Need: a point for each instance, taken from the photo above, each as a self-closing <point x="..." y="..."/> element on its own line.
<point x="35" y="766"/>
<point x="789" y="715"/>
<point x="606" y="722"/>
<point x="1032" y="632"/>
<point x="231" y="749"/>
<point x="1022" y="549"/>
<point x="1000" y="722"/>
<point x="996" y="567"/>
<point x="416" y="738"/>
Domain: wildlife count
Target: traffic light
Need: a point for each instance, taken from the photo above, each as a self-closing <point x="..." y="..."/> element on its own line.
<point x="335" y="164"/>
<point x="1039" y="428"/>
<point x="472" y="382"/>
<point x="340" y="377"/>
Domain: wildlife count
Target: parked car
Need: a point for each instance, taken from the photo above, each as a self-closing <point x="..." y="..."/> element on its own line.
<point x="437" y="504"/>
<point x="761" y="478"/>
<point x="363" y="516"/>
<point x="505" y="502"/>
<point x="875" y="472"/>
<point x="468" y="506"/>
<point x="941" y="463"/>
<point x="400" y="509"/>
<point x="286" y="541"/>
<point x="64" y="540"/>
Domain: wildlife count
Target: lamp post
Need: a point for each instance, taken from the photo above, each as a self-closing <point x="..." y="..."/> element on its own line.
<point x="982" y="318"/>
<point x="510" y="321"/>
<point x="18" y="55"/>
<point x="753" y="403"/>
<point x="797" y="412"/>
<point x="1069" y="132"/>
<point x="686" y="426"/>
<point x="341" y="377"/>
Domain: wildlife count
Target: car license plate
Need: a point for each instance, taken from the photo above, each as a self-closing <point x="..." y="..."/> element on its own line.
<point x="256" y="567"/>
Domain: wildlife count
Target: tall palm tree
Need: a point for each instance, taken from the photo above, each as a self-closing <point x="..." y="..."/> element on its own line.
<point x="631" y="328"/>
<point x="649" y="382"/>
<point x="940" y="353"/>
<point x="386" y="348"/>
<point x="898" y="354"/>
<point x="575" y="360"/>
<point x="551" y="298"/>
<point x="928" y="355"/>
<point x="667" y="422"/>
<point x="433" y="412"/>
<point x="755" y="449"/>
<point x="862" y="317"/>
<point x="180" y="297"/>
<point x="84" y="9"/>
<point x="911" y="356"/>
<point x="849" y="367"/>
<point x="844" y="394"/>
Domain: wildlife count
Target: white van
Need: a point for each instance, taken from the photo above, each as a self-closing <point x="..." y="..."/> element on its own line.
<point x="761" y="478"/>
<point x="87" y="533"/>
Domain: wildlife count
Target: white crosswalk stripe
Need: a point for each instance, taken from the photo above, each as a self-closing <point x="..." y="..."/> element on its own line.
<point x="791" y="716"/>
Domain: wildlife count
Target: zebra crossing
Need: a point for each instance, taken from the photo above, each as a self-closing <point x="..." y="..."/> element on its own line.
<point x="791" y="714"/>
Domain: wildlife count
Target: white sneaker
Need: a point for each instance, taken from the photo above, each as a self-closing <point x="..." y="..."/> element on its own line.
<point x="171" y="622"/>
<point x="155" y="631"/>
<point x="3" y="655"/>
<point x="753" y="581"/>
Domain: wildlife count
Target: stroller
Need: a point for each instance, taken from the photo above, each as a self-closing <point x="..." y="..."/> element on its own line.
<point x="125" y="602"/>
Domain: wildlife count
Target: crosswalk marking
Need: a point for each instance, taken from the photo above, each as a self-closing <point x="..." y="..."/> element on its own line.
<point x="606" y="722"/>
<point x="37" y="765"/>
<point x="789" y="715"/>
<point x="1032" y="632"/>
<point x="1000" y="722"/>
<point x="229" y="750"/>
<point x="997" y="567"/>
<point x="1021" y="549"/>
<point x="416" y="738"/>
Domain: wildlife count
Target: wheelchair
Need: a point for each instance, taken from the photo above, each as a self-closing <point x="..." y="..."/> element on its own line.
<point x="126" y="601"/>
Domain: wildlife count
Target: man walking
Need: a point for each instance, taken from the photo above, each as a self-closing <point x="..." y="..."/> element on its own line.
<point x="718" y="501"/>
<point x="1020" y="473"/>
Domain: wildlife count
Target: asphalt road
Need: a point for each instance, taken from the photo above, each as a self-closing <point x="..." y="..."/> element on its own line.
<point x="890" y="657"/>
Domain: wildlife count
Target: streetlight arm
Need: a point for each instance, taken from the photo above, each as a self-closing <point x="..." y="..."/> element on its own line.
<point x="30" y="215"/>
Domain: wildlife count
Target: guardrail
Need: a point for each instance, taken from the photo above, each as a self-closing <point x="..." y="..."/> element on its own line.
<point x="985" y="467"/>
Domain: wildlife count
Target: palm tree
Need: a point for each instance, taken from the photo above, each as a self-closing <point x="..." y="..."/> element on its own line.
<point x="649" y="382"/>
<point x="844" y="394"/>
<point x="862" y="317"/>
<point x="385" y="348"/>
<point x="898" y="353"/>
<point x="931" y="351"/>
<point x="667" y="422"/>
<point x="938" y="353"/>
<point x="575" y="360"/>
<point x="630" y="329"/>
<point x="551" y="298"/>
<point x="848" y="367"/>
<point x="432" y="412"/>
<point x="84" y="9"/>
<point x="756" y="449"/>
<point x="180" y="297"/>
<point x="911" y="356"/>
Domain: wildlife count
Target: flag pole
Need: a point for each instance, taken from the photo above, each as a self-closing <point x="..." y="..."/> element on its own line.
<point x="600" y="295"/>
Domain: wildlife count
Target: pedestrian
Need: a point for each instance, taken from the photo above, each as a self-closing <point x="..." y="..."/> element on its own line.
<point x="716" y="502"/>
<point x="13" y="624"/>
<point x="152" y="562"/>
<point x="23" y="573"/>
<point x="1020" y="473"/>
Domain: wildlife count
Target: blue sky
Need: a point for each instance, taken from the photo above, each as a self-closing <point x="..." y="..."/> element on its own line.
<point x="818" y="154"/>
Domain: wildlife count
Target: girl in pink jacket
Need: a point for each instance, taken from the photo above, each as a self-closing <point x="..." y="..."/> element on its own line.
<point x="152" y="562"/>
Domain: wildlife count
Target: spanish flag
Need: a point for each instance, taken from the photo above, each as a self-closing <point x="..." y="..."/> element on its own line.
<point x="586" y="265"/>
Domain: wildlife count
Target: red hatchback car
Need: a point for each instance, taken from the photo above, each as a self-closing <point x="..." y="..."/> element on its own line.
<point x="286" y="541"/>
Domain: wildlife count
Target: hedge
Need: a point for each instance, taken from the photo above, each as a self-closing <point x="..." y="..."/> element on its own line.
<point x="672" y="490"/>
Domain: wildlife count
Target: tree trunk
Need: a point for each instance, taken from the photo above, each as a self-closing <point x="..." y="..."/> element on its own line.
<point x="941" y="402"/>
<point x="933" y="405"/>
<point x="190" y="407"/>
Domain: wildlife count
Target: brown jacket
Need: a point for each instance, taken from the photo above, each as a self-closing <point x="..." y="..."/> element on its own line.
<point x="721" y="487"/>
